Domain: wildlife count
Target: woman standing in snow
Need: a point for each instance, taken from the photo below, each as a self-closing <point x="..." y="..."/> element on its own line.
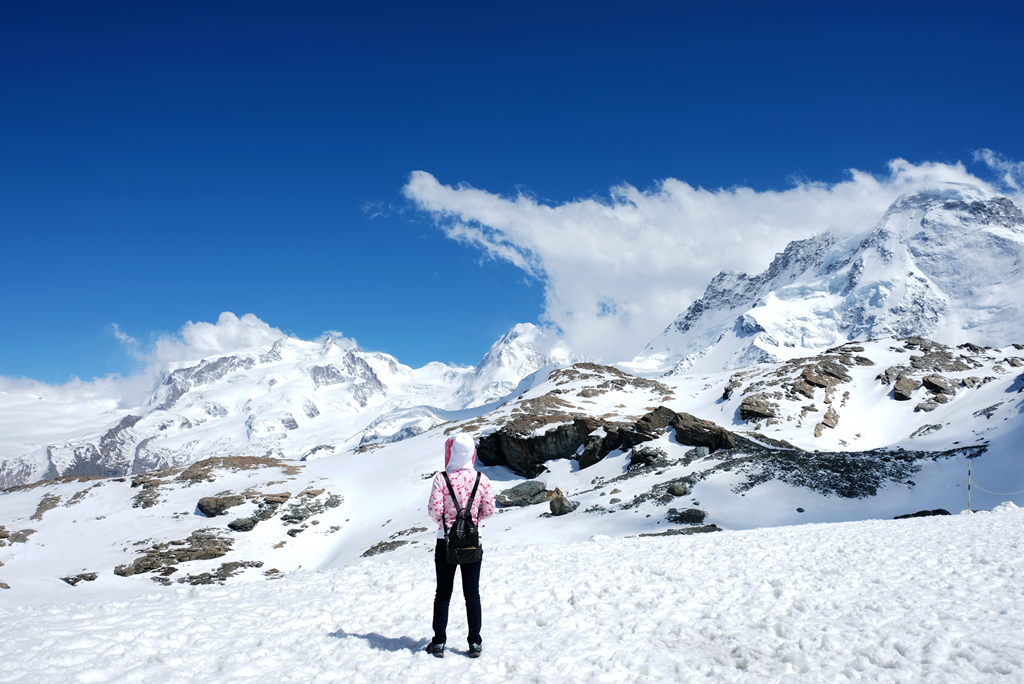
<point x="459" y="457"/>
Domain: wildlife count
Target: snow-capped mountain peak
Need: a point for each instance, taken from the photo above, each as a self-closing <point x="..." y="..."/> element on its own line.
<point x="523" y="350"/>
<point x="943" y="262"/>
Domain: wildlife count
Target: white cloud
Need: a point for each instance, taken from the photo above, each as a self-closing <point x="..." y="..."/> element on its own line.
<point x="230" y="334"/>
<point x="197" y="340"/>
<point x="618" y="269"/>
<point x="1011" y="173"/>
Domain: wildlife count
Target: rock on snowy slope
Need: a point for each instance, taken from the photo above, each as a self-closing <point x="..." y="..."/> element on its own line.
<point x="943" y="263"/>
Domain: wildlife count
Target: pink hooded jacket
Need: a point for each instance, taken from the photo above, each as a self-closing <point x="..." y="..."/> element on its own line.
<point x="459" y="457"/>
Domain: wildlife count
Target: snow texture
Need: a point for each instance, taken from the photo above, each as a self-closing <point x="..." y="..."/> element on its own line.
<point x="932" y="599"/>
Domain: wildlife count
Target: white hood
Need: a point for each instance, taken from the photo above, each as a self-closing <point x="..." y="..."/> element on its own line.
<point x="459" y="453"/>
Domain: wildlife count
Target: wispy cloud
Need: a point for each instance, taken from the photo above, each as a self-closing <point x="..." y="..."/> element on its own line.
<point x="1011" y="172"/>
<point x="618" y="269"/>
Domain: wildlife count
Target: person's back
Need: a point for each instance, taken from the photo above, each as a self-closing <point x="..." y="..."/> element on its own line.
<point x="460" y="455"/>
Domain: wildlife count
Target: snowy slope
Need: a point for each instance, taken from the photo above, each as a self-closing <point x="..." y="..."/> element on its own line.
<point x="928" y="600"/>
<point x="883" y="457"/>
<point x="945" y="263"/>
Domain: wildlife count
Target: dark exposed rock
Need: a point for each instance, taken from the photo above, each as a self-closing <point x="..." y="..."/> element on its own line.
<point x="937" y="383"/>
<point x="561" y="505"/>
<point x="825" y="373"/>
<point x="863" y="360"/>
<point x="204" y="544"/>
<point x="923" y="514"/>
<point x="383" y="547"/>
<point x="643" y="457"/>
<point x="655" y="422"/>
<point x="517" y="446"/>
<point x="243" y="524"/>
<point x="804" y="388"/>
<point x="733" y="384"/>
<point x="904" y="388"/>
<point x="611" y="378"/>
<point x="73" y="580"/>
<point x="988" y="412"/>
<point x="21" y="536"/>
<point x="212" y="506"/>
<point x="757" y="407"/>
<point x="308" y="506"/>
<point x="523" y="494"/>
<point x="682" y="530"/>
<point x="266" y="508"/>
<point x="692" y="431"/>
<point x="525" y="453"/>
<point x="690" y="516"/>
<point x="218" y="576"/>
<point x="678" y="489"/>
<point x="925" y="430"/>
<point x="849" y="474"/>
<point x="622" y="437"/>
<point x="831" y="418"/>
<point x="48" y="502"/>
<point x="926" y="406"/>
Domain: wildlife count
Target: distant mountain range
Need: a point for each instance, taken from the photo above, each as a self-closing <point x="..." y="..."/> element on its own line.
<point x="292" y="400"/>
<point x="943" y="263"/>
<point x="808" y="393"/>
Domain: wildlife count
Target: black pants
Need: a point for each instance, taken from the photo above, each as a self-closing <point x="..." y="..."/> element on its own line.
<point x="470" y="590"/>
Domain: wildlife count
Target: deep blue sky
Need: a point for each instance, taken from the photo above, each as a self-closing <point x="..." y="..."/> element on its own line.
<point x="165" y="161"/>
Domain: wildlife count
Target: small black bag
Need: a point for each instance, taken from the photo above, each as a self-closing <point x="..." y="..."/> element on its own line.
<point x="462" y="545"/>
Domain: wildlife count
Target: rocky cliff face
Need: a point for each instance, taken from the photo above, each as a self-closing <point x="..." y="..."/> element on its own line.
<point x="944" y="263"/>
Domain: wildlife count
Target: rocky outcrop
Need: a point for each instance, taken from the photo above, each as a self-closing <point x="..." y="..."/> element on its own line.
<point x="923" y="514"/>
<point x="678" y="489"/>
<point x="525" y="453"/>
<point x="904" y="387"/>
<point x="523" y="494"/>
<point x="825" y="373"/>
<point x="938" y="384"/>
<point x="202" y="544"/>
<point x="212" y="506"/>
<point x="74" y="580"/>
<point x="690" y="516"/>
<point x="560" y="505"/>
<point x="757" y="407"/>
<point x="692" y="431"/>
<point x="267" y="505"/>
<point x="647" y="457"/>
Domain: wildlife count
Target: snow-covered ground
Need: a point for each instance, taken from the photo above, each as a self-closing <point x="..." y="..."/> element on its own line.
<point x="933" y="600"/>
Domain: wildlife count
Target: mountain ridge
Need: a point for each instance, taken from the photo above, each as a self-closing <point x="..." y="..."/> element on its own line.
<point x="943" y="262"/>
